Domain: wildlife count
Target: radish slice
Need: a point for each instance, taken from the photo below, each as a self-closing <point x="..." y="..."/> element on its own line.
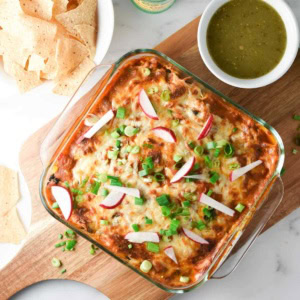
<point x="91" y="120"/>
<point x="197" y="176"/>
<point x="215" y="204"/>
<point x="141" y="237"/>
<point x="125" y="190"/>
<point x="147" y="106"/>
<point x="194" y="237"/>
<point x="164" y="133"/>
<point x="171" y="253"/>
<point x="103" y="120"/>
<point x="112" y="200"/>
<point x="206" y="128"/>
<point x="241" y="171"/>
<point x="184" y="170"/>
<point x="63" y="199"/>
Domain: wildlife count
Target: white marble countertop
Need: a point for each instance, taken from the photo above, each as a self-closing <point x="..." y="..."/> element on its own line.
<point x="271" y="269"/>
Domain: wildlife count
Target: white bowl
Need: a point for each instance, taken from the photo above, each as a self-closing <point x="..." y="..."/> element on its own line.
<point x="288" y="58"/>
<point x="105" y="29"/>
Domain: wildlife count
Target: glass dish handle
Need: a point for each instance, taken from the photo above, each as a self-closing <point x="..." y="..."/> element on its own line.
<point x="245" y="239"/>
<point x="76" y="108"/>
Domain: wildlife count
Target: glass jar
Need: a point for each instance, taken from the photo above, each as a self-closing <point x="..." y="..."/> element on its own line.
<point x="153" y="6"/>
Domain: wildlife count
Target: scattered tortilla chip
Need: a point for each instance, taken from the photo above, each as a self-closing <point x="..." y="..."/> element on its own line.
<point x="36" y="63"/>
<point x="60" y="6"/>
<point x="9" y="190"/>
<point x="12" y="229"/>
<point x="38" y="8"/>
<point x="68" y="85"/>
<point x="16" y="48"/>
<point x="85" y="13"/>
<point x="87" y="34"/>
<point x="26" y="80"/>
<point x="69" y="54"/>
<point x="8" y="10"/>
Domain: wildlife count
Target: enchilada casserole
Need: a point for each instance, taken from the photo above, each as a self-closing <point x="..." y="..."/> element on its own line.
<point x="161" y="171"/>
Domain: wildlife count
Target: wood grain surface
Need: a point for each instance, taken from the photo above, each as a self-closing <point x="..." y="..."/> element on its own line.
<point x="276" y="104"/>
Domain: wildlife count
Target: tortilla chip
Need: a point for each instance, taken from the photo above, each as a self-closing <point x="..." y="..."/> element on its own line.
<point x="60" y="6"/>
<point x="38" y="8"/>
<point x="88" y="35"/>
<point x="8" y="10"/>
<point x="69" y="54"/>
<point x="68" y="85"/>
<point x="36" y="63"/>
<point x="16" y="48"/>
<point x="9" y="190"/>
<point x="85" y="13"/>
<point x="12" y="229"/>
<point x="26" y="80"/>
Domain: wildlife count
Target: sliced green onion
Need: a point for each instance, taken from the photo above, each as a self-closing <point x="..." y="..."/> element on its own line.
<point x="115" y="134"/>
<point x="149" y="162"/>
<point x="135" y="227"/>
<point x="150" y="146"/>
<point x="92" y="251"/>
<point x="113" y="154"/>
<point x="199" y="150"/>
<point x="148" y="221"/>
<point x="282" y="171"/>
<point x="166" y="239"/>
<point x="130" y="246"/>
<point x="159" y="177"/>
<point x="208" y="161"/>
<point x="152" y="90"/>
<point x="170" y="112"/>
<point x="163" y="200"/>
<point x="228" y="150"/>
<point x="186" y="203"/>
<point x="234" y="166"/>
<point x="118" y="144"/>
<point x="131" y="131"/>
<point x="116" y="182"/>
<point x="174" y="225"/>
<point x="217" y="152"/>
<point x="296" y="117"/>
<point x="55" y="205"/>
<point x="60" y="244"/>
<point x="165" y="95"/>
<point x="146" y="71"/>
<point x="166" y="211"/>
<point x="200" y="225"/>
<point x="63" y="271"/>
<point x="60" y="236"/>
<point x="135" y="149"/>
<point x="240" y="207"/>
<point x="104" y="192"/>
<point x="69" y="233"/>
<point x="191" y="145"/>
<point x="70" y="244"/>
<point x="146" y="266"/>
<point x="121" y="129"/>
<point x="175" y="122"/>
<point x="79" y="198"/>
<point x="128" y="149"/>
<point x="121" y="111"/>
<point x="214" y="178"/>
<point x="221" y="143"/>
<point x="83" y="183"/>
<point x="196" y="167"/>
<point x="152" y="247"/>
<point x="234" y="130"/>
<point x="138" y="201"/>
<point x="216" y="163"/>
<point x="55" y="262"/>
<point x="177" y="158"/>
<point x="104" y="222"/>
<point x="143" y="173"/>
<point x="294" y="151"/>
<point x="211" y="145"/>
<point x="209" y="193"/>
<point x="102" y="177"/>
<point x="190" y="196"/>
<point x="95" y="187"/>
<point x="77" y="191"/>
<point x="66" y="183"/>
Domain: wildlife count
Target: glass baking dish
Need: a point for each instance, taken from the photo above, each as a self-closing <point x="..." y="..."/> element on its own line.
<point x="79" y="106"/>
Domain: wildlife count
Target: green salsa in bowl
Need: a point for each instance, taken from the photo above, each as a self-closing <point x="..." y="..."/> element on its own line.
<point x="248" y="43"/>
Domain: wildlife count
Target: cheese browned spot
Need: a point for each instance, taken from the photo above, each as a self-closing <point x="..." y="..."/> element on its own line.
<point x="186" y="112"/>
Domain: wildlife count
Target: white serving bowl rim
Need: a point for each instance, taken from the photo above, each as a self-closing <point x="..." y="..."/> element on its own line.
<point x="288" y="58"/>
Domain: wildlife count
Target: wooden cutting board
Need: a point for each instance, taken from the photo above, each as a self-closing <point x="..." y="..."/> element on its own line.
<point x="276" y="104"/>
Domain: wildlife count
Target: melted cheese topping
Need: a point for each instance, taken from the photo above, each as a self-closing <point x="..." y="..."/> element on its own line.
<point x="189" y="106"/>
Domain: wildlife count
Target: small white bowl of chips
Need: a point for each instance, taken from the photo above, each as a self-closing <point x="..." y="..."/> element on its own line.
<point x="59" y="40"/>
